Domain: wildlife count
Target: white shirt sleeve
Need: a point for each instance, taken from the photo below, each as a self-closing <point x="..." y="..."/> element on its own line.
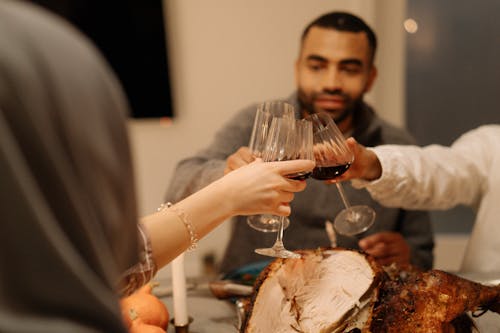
<point x="433" y="177"/>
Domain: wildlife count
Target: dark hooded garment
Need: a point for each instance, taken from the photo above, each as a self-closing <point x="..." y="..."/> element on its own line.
<point x="67" y="198"/>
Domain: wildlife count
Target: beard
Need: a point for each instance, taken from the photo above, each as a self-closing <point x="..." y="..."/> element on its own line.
<point x="338" y="115"/>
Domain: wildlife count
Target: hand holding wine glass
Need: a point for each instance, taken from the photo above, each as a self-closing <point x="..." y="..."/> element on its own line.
<point x="333" y="158"/>
<point x="261" y="128"/>
<point x="288" y="140"/>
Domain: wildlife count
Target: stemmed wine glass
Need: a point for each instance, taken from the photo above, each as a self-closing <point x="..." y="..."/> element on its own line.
<point x="263" y="117"/>
<point x="333" y="158"/>
<point x="288" y="139"/>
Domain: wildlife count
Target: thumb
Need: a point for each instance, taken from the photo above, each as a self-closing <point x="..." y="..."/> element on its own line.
<point x="353" y="145"/>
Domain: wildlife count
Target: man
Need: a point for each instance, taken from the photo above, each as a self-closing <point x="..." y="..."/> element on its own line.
<point x="333" y="72"/>
<point x="437" y="177"/>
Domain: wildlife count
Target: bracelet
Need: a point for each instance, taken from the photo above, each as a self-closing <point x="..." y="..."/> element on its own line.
<point x="183" y="216"/>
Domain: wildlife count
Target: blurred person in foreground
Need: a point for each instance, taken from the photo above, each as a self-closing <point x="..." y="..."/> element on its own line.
<point x="334" y="69"/>
<point x="439" y="177"/>
<point x="69" y="230"/>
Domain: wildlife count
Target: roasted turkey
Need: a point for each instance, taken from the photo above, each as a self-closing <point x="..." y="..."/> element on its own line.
<point x="339" y="290"/>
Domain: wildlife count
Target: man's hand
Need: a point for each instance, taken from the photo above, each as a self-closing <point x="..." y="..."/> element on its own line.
<point x="365" y="166"/>
<point x="386" y="248"/>
<point x="241" y="157"/>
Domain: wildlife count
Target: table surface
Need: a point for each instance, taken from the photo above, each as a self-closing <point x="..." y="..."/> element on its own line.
<point x="209" y="314"/>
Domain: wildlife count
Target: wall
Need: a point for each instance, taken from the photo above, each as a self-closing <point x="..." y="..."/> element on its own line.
<point x="455" y="75"/>
<point x="226" y="54"/>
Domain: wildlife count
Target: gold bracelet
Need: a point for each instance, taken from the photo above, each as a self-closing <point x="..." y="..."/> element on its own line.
<point x="183" y="216"/>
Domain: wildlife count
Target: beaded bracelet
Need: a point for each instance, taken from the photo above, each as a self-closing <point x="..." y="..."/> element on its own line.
<point x="183" y="216"/>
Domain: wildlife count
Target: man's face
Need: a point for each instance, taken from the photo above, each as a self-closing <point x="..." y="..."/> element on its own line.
<point x="333" y="71"/>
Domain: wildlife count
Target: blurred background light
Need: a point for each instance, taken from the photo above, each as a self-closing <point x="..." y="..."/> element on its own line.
<point x="410" y="25"/>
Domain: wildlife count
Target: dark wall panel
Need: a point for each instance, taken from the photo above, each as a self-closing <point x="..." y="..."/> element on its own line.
<point x="453" y="74"/>
<point x="131" y="35"/>
<point x="453" y="78"/>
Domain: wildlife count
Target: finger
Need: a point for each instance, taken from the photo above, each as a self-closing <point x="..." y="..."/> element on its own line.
<point x="241" y="157"/>
<point x="247" y="158"/>
<point x="291" y="167"/>
<point x="352" y="144"/>
<point x="241" y="160"/>
<point x="378" y="251"/>
<point x="370" y="241"/>
<point x="244" y="155"/>
<point x="286" y="196"/>
<point x="283" y="210"/>
<point x="380" y="237"/>
<point x="234" y="162"/>
<point x="382" y="252"/>
<point x="291" y="185"/>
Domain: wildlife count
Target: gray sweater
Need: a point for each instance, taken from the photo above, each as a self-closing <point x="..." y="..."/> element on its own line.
<point x="311" y="207"/>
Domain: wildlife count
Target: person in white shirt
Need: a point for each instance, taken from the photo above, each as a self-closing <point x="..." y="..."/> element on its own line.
<point x="439" y="177"/>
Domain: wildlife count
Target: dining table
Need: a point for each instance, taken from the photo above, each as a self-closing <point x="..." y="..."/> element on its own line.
<point x="207" y="313"/>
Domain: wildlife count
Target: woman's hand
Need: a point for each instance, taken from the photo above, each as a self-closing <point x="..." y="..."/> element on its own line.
<point x="262" y="187"/>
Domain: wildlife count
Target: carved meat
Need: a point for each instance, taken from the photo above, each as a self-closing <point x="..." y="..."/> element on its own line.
<point x="337" y="290"/>
<point x="321" y="292"/>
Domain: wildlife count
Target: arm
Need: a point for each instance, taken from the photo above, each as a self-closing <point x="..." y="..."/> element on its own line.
<point x="408" y="238"/>
<point x="433" y="177"/>
<point x="253" y="189"/>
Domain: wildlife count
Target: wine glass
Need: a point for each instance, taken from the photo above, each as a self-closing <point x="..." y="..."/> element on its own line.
<point x="333" y="158"/>
<point x="288" y="139"/>
<point x="263" y="117"/>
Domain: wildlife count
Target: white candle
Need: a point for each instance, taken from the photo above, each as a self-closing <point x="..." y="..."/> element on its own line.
<point x="179" y="291"/>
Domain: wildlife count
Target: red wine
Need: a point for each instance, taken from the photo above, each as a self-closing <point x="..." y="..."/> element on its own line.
<point x="329" y="172"/>
<point x="300" y="175"/>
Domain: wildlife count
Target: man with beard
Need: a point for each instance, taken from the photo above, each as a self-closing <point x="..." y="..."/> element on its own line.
<point x="333" y="72"/>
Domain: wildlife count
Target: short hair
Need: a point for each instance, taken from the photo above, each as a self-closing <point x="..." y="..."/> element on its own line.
<point x="343" y="21"/>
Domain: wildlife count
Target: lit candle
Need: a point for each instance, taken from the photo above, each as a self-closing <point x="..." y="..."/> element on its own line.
<point x="179" y="291"/>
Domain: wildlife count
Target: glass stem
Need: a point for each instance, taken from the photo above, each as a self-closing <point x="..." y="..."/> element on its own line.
<point x="278" y="244"/>
<point x="342" y="195"/>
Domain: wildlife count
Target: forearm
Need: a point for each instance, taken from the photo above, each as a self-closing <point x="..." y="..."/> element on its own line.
<point x="204" y="210"/>
<point x="429" y="178"/>
<point x="164" y="235"/>
<point x="253" y="189"/>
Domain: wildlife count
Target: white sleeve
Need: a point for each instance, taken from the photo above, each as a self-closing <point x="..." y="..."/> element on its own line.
<point x="433" y="177"/>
